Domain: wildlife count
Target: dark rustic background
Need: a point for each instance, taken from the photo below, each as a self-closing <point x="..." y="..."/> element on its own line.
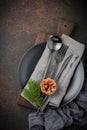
<point x="20" y="22"/>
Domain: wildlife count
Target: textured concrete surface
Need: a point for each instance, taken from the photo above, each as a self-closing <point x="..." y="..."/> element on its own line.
<point x="20" y="22"/>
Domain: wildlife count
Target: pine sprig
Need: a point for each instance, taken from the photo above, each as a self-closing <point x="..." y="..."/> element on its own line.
<point x="33" y="93"/>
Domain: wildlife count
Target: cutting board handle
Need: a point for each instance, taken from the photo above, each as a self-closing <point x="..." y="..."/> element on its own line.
<point x="63" y="27"/>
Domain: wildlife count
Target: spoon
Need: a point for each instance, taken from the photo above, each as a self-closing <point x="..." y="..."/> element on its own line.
<point x="54" y="44"/>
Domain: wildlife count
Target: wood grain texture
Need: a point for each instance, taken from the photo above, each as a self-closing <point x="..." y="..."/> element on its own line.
<point x="41" y="37"/>
<point x="65" y="26"/>
<point x="21" y="101"/>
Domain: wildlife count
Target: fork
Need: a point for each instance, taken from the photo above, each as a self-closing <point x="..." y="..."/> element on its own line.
<point x="59" y="57"/>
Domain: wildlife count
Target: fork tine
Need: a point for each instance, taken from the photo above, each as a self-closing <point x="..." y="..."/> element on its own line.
<point x="64" y="50"/>
<point x="61" y="53"/>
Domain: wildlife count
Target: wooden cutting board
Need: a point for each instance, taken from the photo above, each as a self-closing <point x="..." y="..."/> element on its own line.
<point x="64" y="26"/>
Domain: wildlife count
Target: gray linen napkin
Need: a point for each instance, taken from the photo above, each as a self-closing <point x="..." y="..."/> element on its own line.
<point x="76" y="49"/>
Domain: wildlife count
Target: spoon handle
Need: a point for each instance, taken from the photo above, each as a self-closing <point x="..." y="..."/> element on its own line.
<point x="48" y="64"/>
<point x="45" y="73"/>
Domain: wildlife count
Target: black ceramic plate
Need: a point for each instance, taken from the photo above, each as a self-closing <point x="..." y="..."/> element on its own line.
<point x="28" y="63"/>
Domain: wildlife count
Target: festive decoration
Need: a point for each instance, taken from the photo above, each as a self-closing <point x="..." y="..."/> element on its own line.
<point x="48" y="86"/>
<point x="33" y="93"/>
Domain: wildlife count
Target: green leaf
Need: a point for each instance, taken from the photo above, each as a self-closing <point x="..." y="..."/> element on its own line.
<point x="33" y="93"/>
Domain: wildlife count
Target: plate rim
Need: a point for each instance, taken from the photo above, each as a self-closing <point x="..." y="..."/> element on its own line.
<point x="81" y="84"/>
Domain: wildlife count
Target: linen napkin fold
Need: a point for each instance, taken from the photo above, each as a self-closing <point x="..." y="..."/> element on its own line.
<point x="75" y="49"/>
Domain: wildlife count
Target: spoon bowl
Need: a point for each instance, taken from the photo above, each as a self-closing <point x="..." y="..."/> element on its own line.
<point x="54" y="43"/>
